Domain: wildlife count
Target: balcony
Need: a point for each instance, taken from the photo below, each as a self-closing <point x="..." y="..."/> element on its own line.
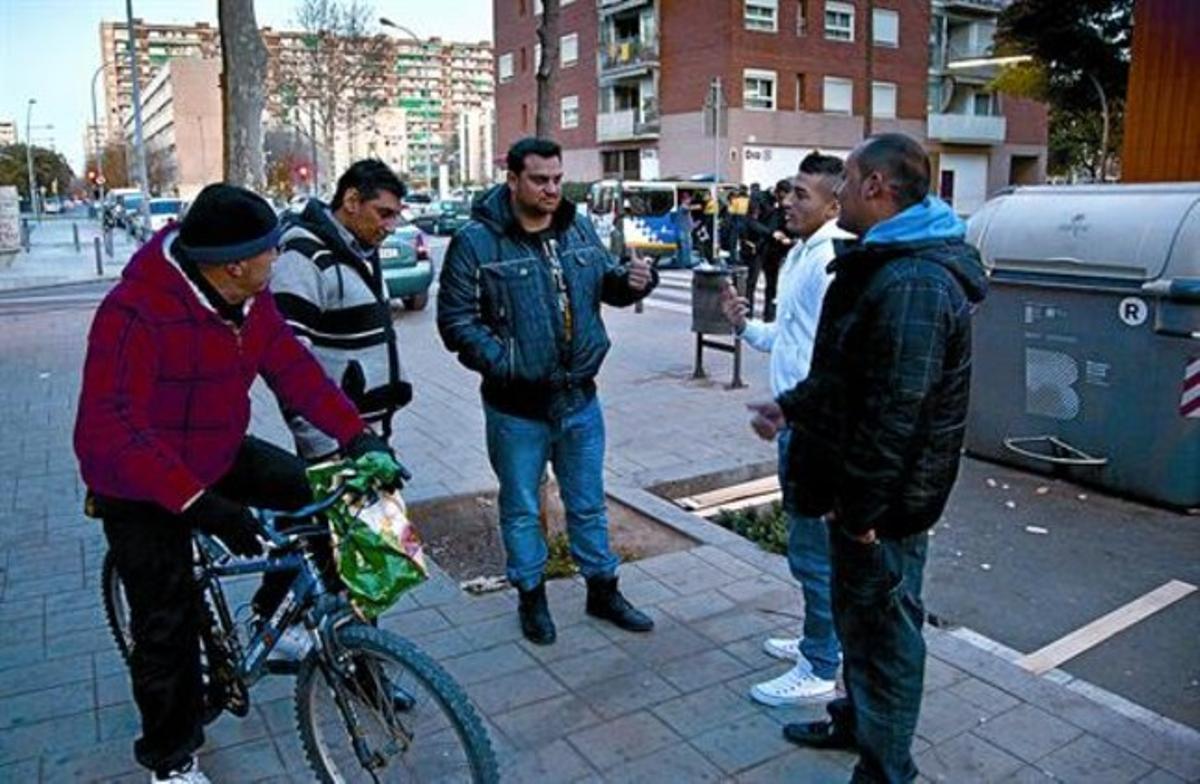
<point x="615" y="6"/>
<point x="626" y="124"/>
<point x="967" y="128"/>
<point x="985" y="6"/>
<point x="627" y="55"/>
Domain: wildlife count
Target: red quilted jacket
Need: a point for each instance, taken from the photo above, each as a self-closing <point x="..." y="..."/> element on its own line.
<point x="165" y="402"/>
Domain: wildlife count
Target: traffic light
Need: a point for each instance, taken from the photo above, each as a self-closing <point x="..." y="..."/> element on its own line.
<point x="91" y="175"/>
<point x="303" y="172"/>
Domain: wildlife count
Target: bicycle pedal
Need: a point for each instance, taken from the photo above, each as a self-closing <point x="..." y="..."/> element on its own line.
<point x="238" y="707"/>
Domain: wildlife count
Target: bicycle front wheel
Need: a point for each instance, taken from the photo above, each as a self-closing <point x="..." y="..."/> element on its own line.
<point x="414" y="723"/>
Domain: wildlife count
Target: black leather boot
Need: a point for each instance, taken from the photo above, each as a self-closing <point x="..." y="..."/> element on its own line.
<point x="536" y="623"/>
<point x="605" y="601"/>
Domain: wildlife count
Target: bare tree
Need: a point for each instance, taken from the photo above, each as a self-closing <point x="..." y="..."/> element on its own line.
<point x="161" y="169"/>
<point x="112" y="165"/>
<point x="339" y="74"/>
<point x="243" y="91"/>
<point x="547" y="69"/>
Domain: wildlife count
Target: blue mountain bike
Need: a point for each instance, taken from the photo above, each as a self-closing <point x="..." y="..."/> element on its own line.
<point x="369" y="705"/>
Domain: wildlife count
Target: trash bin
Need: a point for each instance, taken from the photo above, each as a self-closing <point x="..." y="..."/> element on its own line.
<point x="707" y="282"/>
<point x="1087" y="349"/>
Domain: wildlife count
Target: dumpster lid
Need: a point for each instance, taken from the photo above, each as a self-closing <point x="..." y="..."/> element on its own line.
<point x="1115" y="231"/>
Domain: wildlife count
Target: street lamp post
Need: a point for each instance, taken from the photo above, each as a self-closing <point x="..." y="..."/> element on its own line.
<point x="144" y="206"/>
<point x="33" y="202"/>
<point x="96" y="132"/>
<point x="383" y="20"/>
<point x="1104" y="132"/>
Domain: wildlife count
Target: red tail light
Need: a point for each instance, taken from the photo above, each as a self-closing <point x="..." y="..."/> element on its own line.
<point x="422" y="248"/>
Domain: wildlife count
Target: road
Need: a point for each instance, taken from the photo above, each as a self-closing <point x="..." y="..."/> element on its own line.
<point x="987" y="572"/>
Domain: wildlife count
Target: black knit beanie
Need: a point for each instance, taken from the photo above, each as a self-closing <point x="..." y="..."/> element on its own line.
<point x="226" y="223"/>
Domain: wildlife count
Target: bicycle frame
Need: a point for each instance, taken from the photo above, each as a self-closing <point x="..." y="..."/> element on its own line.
<point x="304" y="593"/>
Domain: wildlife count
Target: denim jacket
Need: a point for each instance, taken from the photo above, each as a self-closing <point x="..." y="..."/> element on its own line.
<point x="499" y="306"/>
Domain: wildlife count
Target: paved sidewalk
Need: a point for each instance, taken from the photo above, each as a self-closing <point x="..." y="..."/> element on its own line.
<point x="52" y="258"/>
<point x="598" y="705"/>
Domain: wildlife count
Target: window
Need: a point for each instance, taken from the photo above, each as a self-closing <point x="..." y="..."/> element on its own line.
<point x="886" y="26"/>
<point x="524" y="60"/>
<point x="800" y="92"/>
<point x="569" y="112"/>
<point x="801" y="17"/>
<point x="762" y="15"/>
<point x="983" y="104"/>
<point x="839" y="22"/>
<point x="883" y="99"/>
<point x="569" y="49"/>
<point x="506" y="67"/>
<point x="839" y="95"/>
<point x="758" y="90"/>
<point x="537" y="56"/>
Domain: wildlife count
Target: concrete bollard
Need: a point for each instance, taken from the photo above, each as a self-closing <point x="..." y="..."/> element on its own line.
<point x="75" y="233"/>
<point x="108" y="242"/>
<point x="99" y="259"/>
<point x="25" y="239"/>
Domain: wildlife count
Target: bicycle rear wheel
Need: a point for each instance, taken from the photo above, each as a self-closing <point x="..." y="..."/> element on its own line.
<point x="434" y="735"/>
<point x="116" y="606"/>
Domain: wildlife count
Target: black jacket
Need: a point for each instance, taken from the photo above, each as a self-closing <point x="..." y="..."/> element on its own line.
<point x="878" y="425"/>
<point x="498" y="306"/>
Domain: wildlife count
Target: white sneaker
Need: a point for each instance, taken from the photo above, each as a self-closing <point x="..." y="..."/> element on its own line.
<point x="795" y="687"/>
<point x="786" y="648"/>
<point x="189" y="773"/>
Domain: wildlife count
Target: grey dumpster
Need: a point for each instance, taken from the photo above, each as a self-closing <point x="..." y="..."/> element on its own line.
<point x="1087" y="349"/>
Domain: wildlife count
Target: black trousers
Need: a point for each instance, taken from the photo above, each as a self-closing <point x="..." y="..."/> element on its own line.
<point x="153" y="552"/>
<point x="766" y="263"/>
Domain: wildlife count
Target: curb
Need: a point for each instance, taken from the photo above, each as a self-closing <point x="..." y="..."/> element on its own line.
<point x="1184" y="741"/>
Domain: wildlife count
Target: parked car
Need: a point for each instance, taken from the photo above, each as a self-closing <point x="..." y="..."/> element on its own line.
<point x="53" y="207"/>
<point x="417" y="204"/>
<point x="163" y="211"/>
<point x="446" y="217"/>
<point x="407" y="267"/>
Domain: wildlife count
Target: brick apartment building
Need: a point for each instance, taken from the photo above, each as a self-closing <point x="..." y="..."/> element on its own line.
<point x="635" y="74"/>
<point x="422" y="93"/>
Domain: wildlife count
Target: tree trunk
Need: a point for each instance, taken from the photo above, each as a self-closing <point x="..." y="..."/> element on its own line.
<point x="243" y="92"/>
<point x="547" y="69"/>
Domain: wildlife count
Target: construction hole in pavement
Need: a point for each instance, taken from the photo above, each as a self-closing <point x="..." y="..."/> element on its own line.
<point x="462" y="533"/>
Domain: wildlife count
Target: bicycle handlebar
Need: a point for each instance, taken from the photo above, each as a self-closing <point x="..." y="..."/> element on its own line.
<point x="267" y="518"/>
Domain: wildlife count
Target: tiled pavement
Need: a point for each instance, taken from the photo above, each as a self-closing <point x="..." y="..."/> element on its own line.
<point x="598" y="705"/>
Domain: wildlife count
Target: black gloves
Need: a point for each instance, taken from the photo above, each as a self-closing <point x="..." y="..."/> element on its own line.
<point x="227" y="520"/>
<point x="368" y="442"/>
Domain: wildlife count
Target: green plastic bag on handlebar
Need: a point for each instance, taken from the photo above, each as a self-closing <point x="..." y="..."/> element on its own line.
<point x="377" y="550"/>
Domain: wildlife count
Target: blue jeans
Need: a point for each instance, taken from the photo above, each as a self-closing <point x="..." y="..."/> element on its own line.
<point x="877" y="603"/>
<point x="519" y="449"/>
<point x="808" y="559"/>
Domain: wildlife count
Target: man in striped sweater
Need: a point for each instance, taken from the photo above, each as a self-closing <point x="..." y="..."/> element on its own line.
<point x="329" y="286"/>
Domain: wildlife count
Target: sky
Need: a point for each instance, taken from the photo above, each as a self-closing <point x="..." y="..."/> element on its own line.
<point x="49" y="50"/>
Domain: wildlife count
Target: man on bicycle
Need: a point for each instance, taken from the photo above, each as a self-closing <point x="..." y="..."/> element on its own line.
<point x="162" y="445"/>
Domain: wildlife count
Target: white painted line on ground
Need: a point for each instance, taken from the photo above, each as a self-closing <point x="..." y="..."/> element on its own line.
<point x="1101" y="629"/>
<point x="674" y="307"/>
